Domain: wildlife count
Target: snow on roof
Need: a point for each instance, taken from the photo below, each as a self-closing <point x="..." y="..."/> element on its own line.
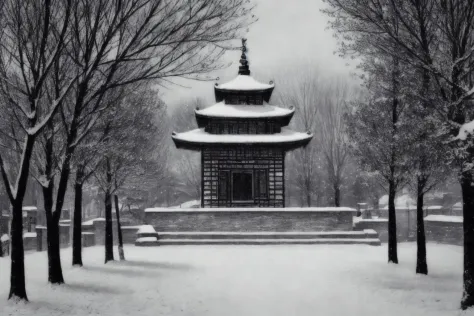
<point x="255" y="209"/>
<point x="29" y="208"/>
<point x="146" y="229"/>
<point x="444" y="218"/>
<point x="244" y="82"/>
<point x="244" y="111"/>
<point x="200" y="136"/>
<point x="29" y="235"/>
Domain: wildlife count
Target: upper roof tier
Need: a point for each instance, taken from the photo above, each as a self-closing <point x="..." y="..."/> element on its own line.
<point x="245" y="83"/>
<point x="222" y="110"/>
<point x="244" y="89"/>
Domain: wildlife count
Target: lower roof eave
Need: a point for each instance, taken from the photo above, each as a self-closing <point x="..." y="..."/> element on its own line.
<point x="198" y="146"/>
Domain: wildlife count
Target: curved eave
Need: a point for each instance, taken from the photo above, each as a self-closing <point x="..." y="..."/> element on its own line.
<point x="183" y="143"/>
<point x="221" y="93"/>
<point x="203" y="119"/>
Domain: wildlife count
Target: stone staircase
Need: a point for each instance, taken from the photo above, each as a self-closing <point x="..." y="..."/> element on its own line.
<point x="365" y="237"/>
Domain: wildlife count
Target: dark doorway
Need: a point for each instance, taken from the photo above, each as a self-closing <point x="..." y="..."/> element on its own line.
<point x="242" y="186"/>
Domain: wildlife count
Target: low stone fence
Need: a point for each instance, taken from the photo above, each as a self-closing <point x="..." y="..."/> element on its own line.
<point x="93" y="233"/>
<point x="438" y="228"/>
<point x="250" y="219"/>
<point x="444" y="229"/>
<point x="380" y="225"/>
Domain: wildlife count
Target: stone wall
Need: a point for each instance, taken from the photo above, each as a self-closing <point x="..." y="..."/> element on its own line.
<point x="444" y="229"/>
<point x="438" y="228"/>
<point x="250" y="219"/>
<point x="4" y="220"/>
<point x="93" y="233"/>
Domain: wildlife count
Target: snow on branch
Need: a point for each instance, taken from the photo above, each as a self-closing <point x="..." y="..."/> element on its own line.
<point x="465" y="130"/>
<point x="39" y="126"/>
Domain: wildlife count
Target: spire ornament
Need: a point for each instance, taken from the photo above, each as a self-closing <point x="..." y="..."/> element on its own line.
<point x="244" y="64"/>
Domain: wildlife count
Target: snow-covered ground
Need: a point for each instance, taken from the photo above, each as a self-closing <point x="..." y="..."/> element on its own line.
<point x="245" y="280"/>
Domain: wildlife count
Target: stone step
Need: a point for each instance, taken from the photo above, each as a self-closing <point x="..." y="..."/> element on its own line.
<point x="368" y="233"/>
<point x="314" y="241"/>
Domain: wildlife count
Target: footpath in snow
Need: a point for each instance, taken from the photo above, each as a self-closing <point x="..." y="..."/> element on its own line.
<point x="323" y="280"/>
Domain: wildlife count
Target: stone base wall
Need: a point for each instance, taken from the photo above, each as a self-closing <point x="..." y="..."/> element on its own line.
<point x="444" y="232"/>
<point x="250" y="219"/>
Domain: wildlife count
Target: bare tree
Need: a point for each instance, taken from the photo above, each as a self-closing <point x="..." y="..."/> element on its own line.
<point x="33" y="39"/>
<point x="118" y="43"/>
<point x="303" y="89"/>
<point x="132" y="131"/>
<point x="333" y="139"/>
<point x="186" y="168"/>
<point x="436" y="39"/>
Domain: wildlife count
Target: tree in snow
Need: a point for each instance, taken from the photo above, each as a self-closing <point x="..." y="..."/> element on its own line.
<point x="304" y="90"/>
<point x="34" y="35"/>
<point x="86" y="160"/>
<point x="115" y="44"/>
<point x="186" y="166"/>
<point x="334" y="143"/>
<point x="436" y="38"/>
<point x="378" y="129"/>
<point x="133" y="132"/>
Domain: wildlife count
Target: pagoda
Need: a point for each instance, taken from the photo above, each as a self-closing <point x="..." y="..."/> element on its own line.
<point x="243" y="141"/>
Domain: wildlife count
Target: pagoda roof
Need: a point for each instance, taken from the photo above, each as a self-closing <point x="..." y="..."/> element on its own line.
<point x="244" y="83"/>
<point x="198" y="138"/>
<point x="222" y="110"/>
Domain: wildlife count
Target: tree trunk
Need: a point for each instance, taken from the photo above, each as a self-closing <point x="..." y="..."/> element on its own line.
<point x="308" y="198"/>
<point x="421" y="265"/>
<point x="17" y="276"/>
<point x="109" y="237"/>
<point x="337" y="195"/>
<point x="55" y="273"/>
<point x="467" y="188"/>
<point x="119" y="229"/>
<point x="392" y="225"/>
<point x="77" y="221"/>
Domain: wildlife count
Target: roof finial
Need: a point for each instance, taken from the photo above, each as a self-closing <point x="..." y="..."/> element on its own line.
<point x="244" y="64"/>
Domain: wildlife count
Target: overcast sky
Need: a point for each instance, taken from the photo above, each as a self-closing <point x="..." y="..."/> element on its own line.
<point x="288" y="33"/>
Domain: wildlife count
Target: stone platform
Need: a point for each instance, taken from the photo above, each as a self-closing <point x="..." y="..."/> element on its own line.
<point x="255" y="226"/>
